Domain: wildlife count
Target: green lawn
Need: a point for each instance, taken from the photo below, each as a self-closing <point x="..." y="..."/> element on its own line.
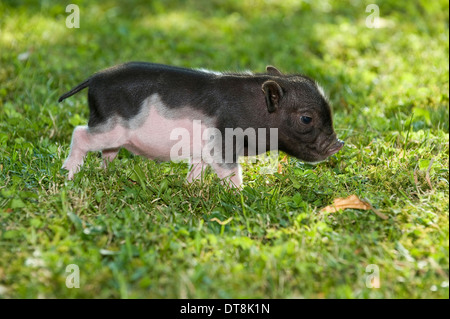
<point x="137" y="231"/>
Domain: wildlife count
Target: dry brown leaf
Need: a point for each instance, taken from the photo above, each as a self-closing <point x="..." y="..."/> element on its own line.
<point x="351" y="202"/>
<point x="342" y="203"/>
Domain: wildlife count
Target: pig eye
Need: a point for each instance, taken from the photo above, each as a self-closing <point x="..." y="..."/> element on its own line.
<point x="306" y="119"/>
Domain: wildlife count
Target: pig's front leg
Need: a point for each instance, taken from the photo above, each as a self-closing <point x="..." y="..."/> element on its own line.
<point x="230" y="174"/>
<point x="197" y="169"/>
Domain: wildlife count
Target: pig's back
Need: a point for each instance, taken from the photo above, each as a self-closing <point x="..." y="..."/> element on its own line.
<point x="121" y="90"/>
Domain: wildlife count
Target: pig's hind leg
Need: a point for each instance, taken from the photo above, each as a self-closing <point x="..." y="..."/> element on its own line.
<point x="77" y="152"/>
<point x="85" y="140"/>
<point x="109" y="155"/>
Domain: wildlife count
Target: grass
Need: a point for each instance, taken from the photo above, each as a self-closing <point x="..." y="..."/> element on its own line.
<point x="137" y="231"/>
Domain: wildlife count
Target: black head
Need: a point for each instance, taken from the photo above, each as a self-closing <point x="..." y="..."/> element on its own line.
<point x="300" y="110"/>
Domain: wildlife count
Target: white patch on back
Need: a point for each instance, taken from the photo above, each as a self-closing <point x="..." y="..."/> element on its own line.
<point x="209" y="71"/>
<point x="245" y="72"/>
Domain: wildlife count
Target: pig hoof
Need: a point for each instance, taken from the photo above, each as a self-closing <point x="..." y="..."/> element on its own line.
<point x="71" y="173"/>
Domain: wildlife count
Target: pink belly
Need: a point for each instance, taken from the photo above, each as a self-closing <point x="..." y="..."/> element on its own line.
<point x="153" y="138"/>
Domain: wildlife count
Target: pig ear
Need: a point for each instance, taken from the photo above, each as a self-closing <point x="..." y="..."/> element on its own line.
<point x="273" y="70"/>
<point x="273" y="94"/>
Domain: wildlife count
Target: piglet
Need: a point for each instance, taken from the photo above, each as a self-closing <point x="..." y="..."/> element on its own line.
<point x="209" y="118"/>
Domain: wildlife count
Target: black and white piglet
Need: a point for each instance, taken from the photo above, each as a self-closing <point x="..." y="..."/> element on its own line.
<point x="146" y="107"/>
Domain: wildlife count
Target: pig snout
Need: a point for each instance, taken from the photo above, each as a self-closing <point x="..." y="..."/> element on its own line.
<point x="329" y="144"/>
<point x="335" y="147"/>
